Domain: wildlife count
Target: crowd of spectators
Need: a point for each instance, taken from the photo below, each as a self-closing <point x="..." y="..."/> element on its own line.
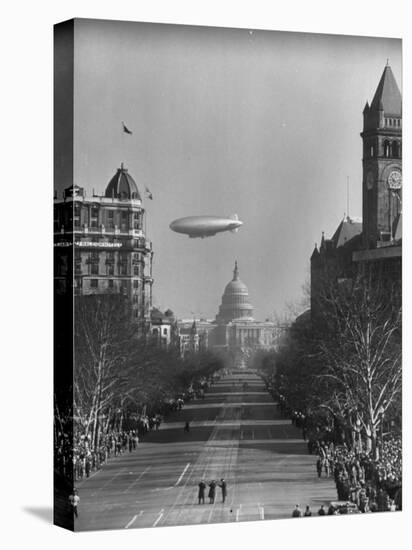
<point x="77" y="456"/>
<point x="372" y="484"/>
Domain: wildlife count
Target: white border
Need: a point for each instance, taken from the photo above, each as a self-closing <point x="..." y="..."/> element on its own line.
<point x="26" y="224"/>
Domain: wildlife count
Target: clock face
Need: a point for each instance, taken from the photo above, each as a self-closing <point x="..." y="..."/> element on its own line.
<point x="369" y="180"/>
<point x="395" y="180"/>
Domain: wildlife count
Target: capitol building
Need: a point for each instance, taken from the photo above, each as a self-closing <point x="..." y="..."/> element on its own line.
<point x="234" y="331"/>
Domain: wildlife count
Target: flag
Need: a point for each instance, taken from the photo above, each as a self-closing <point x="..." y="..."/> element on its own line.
<point x="126" y="129"/>
<point x="148" y="193"/>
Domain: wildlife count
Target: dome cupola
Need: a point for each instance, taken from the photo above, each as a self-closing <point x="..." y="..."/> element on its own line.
<point x="235" y="301"/>
<point x="122" y="186"/>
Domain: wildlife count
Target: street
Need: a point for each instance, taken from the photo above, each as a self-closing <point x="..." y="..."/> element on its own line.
<point x="236" y="433"/>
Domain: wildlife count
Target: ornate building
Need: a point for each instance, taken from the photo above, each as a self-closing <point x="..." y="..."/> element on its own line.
<point x="236" y="331"/>
<point x="101" y="246"/>
<point x="375" y="244"/>
<point x="382" y="163"/>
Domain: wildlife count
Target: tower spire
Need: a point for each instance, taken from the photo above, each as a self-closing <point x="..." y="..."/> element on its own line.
<point x="236" y="272"/>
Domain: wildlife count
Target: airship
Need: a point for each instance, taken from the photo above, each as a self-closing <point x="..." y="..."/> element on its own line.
<point x="205" y="226"/>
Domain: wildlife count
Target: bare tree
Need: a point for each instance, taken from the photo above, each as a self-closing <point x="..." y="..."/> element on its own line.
<point x="104" y="340"/>
<point x="360" y="344"/>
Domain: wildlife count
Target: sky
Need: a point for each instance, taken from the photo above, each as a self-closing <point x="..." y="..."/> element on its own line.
<point x="264" y="124"/>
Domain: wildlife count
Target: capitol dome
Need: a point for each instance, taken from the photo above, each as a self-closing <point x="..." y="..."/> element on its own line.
<point x="122" y="186"/>
<point x="235" y="301"/>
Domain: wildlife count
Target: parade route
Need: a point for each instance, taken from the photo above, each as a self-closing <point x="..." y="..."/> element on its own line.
<point x="236" y="433"/>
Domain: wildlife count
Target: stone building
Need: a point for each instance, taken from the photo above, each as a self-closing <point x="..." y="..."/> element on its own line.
<point x="101" y="246"/>
<point x="163" y="328"/>
<point x="373" y="245"/>
<point x="236" y="331"/>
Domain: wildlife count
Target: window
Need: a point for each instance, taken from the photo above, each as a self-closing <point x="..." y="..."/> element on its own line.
<point x="136" y="221"/>
<point x="94" y="215"/>
<point x="395" y="149"/>
<point x="95" y="269"/>
<point x="135" y="284"/>
<point x="123" y="220"/>
<point x="136" y="271"/>
<point x="109" y="257"/>
<point x="110" y="269"/>
<point x="110" y="219"/>
<point x="94" y="283"/>
<point x="110" y="283"/>
<point x="76" y="215"/>
<point x="165" y="332"/>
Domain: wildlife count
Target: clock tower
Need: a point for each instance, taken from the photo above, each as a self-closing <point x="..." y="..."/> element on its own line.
<point x="382" y="162"/>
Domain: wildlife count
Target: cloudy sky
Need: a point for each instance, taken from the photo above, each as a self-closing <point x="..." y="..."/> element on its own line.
<point x="264" y="124"/>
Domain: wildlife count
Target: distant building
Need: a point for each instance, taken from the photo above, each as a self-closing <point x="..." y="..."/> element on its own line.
<point x="189" y="338"/>
<point x="164" y="329"/>
<point x="237" y="332"/>
<point x="101" y="246"/>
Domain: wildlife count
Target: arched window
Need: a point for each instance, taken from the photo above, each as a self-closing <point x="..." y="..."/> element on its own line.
<point x="395" y="149"/>
<point x="386" y="149"/>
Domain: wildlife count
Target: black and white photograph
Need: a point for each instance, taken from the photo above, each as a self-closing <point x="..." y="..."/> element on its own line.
<point x="228" y="275"/>
<point x="228" y="246"/>
<point x="205" y="243"/>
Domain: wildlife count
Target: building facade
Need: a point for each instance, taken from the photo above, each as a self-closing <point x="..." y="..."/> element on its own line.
<point x="236" y="331"/>
<point x="372" y="245"/>
<point x="101" y="247"/>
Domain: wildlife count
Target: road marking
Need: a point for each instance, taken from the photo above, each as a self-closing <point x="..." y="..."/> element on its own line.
<point x="133" y="520"/>
<point x="159" y="517"/>
<point x="182" y="474"/>
<point x="130" y="522"/>
<point x="137" y="479"/>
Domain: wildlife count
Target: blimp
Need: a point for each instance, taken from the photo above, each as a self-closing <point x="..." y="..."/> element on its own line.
<point x="205" y="226"/>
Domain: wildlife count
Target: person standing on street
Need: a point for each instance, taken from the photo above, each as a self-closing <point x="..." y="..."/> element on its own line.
<point x="319" y="466"/>
<point x="222" y="485"/>
<point x="212" y="491"/>
<point x="296" y="512"/>
<point x="321" y="511"/>
<point x="202" y="489"/>
<point x="74" y="500"/>
<point x="308" y="512"/>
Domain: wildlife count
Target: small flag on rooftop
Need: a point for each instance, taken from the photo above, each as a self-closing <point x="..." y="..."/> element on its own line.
<point x="148" y="193"/>
<point x="126" y="129"/>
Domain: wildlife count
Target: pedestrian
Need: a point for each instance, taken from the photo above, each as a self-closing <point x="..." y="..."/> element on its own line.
<point x="321" y="511"/>
<point x="308" y="512"/>
<point x="187" y="426"/>
<point x="201" y="495"/>
<point x="222" y="485"/>
<point x="319" y="466"/>
<point x="331" y="510"/>
<point x="296" y="512"/>
<point x="212" y="491"/>
<point x="74" y="500"/>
